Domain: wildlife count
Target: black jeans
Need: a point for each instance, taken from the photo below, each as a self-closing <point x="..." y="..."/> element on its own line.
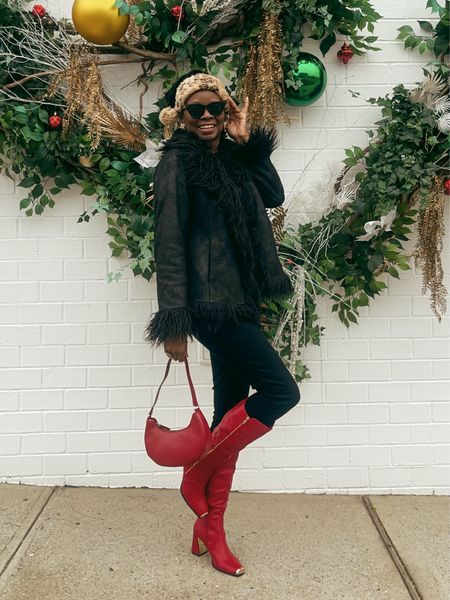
<point x="242" y="356"/>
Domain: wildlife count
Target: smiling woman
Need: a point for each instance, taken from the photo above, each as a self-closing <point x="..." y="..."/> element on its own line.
<point x="216" y="259"/>
<point x="204" y="116"/>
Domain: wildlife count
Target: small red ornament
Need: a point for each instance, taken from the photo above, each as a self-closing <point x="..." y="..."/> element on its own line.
<point x="446" y="187"/>
<point x="55" y="121"/>
<point x="39" y="10"/>
<point x="177" y="11"/>
<point x="345" y="53"/>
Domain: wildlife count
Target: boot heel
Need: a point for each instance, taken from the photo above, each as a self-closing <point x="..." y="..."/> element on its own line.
<point x="198" y="547"/>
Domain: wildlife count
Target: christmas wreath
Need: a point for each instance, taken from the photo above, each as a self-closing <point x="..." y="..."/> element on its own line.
<point x="59" y="125"/>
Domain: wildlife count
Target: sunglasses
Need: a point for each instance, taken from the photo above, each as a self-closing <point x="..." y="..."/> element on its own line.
<point x="197" y="110"/>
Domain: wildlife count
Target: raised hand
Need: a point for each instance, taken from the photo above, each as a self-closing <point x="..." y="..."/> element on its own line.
<point x="236" y="126"/>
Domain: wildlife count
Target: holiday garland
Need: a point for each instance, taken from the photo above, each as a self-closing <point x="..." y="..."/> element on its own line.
<point x="59" y="126"/>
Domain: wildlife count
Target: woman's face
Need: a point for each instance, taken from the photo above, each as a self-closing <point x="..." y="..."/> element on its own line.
<point x="207" y="127"/>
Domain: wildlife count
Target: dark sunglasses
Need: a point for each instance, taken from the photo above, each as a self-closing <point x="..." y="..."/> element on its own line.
<point x="197" y="110"/>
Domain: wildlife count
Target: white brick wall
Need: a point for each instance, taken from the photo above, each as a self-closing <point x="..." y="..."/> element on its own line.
<point x="76" y="378"/>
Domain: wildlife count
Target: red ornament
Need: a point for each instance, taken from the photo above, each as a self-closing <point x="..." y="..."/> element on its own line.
<point x="345" y="53"/>
<point x="39" y="10"/>
<point x="55" y="121"/>
<point x="177" y="11"/>
<point x="446" y="187"/>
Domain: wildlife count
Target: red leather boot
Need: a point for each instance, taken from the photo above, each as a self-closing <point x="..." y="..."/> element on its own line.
<point x="235" y="431"/>
<point x="209" y="534"/>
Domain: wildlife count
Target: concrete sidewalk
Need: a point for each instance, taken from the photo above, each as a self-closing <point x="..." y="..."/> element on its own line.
<point x="119" y="544"/>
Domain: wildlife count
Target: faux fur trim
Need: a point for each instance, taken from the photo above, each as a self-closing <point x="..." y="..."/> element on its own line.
<point x="181" y="322"/>
<point x="213" y="315"/>
<point x="170" y="323"/>
<point x="277" y="288"/>
<point x="260" y="145"/>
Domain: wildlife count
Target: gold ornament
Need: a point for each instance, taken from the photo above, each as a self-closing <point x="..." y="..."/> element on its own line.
<point x="98" y="21"/>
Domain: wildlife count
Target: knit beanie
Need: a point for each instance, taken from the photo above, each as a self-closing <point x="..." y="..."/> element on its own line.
<point x="181" y="90"/>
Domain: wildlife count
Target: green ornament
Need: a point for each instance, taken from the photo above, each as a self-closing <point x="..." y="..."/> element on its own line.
<point x="311" y="76"/>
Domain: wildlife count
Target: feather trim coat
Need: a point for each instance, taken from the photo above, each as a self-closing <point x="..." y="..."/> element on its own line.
<point x="215" y="251"/>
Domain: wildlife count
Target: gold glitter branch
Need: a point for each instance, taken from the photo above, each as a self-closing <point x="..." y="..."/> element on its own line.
<point x="263" y="80"/>
<point x="279" y="215"/>
<point x="86" y="97"/>
<point x="427" y="255"/>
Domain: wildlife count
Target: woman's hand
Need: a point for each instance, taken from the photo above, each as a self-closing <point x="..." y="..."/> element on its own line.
<point x="236" y="126"/>
<point x="177" y="347"/>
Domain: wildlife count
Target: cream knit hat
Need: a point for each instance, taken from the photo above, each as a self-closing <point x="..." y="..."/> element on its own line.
<point x="188" y="86"/>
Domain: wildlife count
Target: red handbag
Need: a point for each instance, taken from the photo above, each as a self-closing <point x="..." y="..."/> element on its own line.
<point x="179" y="447"/>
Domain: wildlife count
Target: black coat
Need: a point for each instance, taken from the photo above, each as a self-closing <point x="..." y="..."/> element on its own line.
<point x="215" y="251"/>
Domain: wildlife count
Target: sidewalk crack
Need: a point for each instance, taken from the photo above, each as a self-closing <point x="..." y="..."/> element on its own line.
<point x="18" y="541"/>
<point x="393" y="552"/>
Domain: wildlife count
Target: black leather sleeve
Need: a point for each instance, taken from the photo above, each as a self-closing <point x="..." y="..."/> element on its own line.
<point x="255" y="154"/>
<point x="171" y="226"/>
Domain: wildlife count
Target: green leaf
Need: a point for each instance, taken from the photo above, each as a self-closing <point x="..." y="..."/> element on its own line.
<point x="104" y="164"/>
<point x="179" y="36"/>
<point x="406" y="29"/>
<point x="327" y="42"/>
<point x="24" y="203"/>
<point x="21" y="118"/>
<point x="37" y="191"/>
<point x="426" y="26"/>
<point x="351" y="317"/>
<point x="64" y="180"/>
<point x="29" y="181"/>
<point x="43" y="116"/>
<point x="436" y="7"/>
<point x="41" y="152"/>
<point x="363" y="300"/>
<point x="119" y="165"/>
<point x="36" y="136"/>
<point x="404" y="266"/>
<point x="393" y="272"/>
<point x="112" y="231"/>
<point x="214" y="69"/>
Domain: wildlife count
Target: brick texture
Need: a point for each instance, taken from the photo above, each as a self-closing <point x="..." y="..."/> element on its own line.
<point x="77" y="378"/>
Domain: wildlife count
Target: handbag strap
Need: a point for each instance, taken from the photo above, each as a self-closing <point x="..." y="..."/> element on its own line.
<point x="191" y="385"/>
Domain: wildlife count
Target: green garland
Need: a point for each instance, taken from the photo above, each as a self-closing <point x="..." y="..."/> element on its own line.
<point x="399" y="166"/>
<point x="401" y="163"/>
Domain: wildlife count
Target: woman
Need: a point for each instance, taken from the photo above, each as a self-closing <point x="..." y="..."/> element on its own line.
<point x="216" y="260"/>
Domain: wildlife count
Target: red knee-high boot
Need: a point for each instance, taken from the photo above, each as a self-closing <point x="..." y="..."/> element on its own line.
<point x="209" y="534"/>
<point x="235" y="431"/>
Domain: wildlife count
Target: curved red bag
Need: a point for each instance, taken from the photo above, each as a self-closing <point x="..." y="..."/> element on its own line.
<point x="177" y="447"/>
